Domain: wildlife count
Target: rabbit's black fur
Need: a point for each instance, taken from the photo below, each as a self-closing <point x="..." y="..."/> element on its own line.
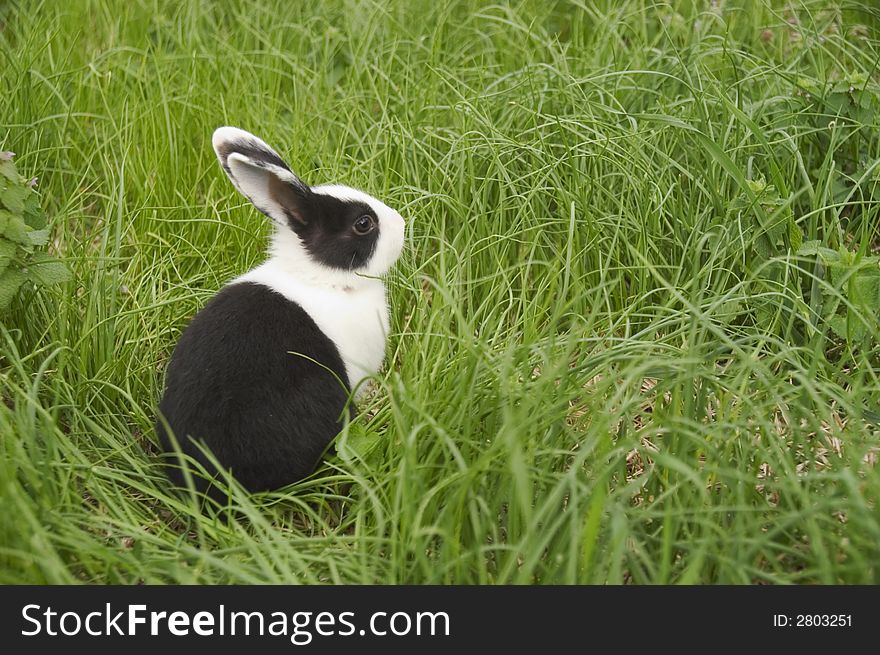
<point x="262" y="374"/>
<point x="235" y="377"/>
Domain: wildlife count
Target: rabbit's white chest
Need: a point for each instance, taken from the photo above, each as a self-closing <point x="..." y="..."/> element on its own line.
<point x="355" y="320"/>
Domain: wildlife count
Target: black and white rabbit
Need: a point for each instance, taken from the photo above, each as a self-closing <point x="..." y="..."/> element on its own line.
<point x="256" y="375"/>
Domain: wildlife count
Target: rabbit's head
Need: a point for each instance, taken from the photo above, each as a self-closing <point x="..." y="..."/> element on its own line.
<point x="330" y="230"/>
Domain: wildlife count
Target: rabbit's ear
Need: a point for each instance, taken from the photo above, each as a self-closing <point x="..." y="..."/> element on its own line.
<point x="262" y="176"/>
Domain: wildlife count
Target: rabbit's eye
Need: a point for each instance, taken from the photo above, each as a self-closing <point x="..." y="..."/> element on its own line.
<point x="363" y="225"/>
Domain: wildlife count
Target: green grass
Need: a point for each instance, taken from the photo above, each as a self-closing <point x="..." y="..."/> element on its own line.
<point x="612" y="358"/>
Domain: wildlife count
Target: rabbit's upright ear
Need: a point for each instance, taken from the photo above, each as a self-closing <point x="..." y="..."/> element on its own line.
<point x="262" y="176"/>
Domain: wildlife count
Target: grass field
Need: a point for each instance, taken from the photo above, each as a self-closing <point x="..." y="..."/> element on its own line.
<point x="634" y="334"/>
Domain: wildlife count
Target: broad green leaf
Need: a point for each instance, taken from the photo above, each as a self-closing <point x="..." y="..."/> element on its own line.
<point x="38" y="237"/>
<point x="33" y="213"/>
<point x="47" y="270"/>
<point x="728" y="310"/>
<point x="854" y="329"/>
<point x="857" y="79"/>
<point x="837" y="324"/>
<point x="759" y="186"/>
<point x="10" y="281"/>
<point x="7" y="252"/>
<point x="838" y="273"/>
<point x="763" y="247"/>
<point x="827" y="255"/>
<point x="7" y="170"/>
<point x="17" y="231"/>
<point x="810" y="248"/>
<point x="775" y="230"/>
<point x="866" y="291"/>
<point x="7" y="248"/>
<point x="13" y="197"/>
<point x="356" y="442"/>
<point x="809" y="85"/>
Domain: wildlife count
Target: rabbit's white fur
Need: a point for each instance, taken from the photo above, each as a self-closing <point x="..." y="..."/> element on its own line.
<point x="350" y="307"/>
<point x="354" y="318"/>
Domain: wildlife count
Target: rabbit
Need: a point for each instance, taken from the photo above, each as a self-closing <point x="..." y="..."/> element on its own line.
<point x="263" y="373"/>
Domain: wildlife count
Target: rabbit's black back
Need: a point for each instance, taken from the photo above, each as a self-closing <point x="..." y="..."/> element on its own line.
<point x="241" y="381"/>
